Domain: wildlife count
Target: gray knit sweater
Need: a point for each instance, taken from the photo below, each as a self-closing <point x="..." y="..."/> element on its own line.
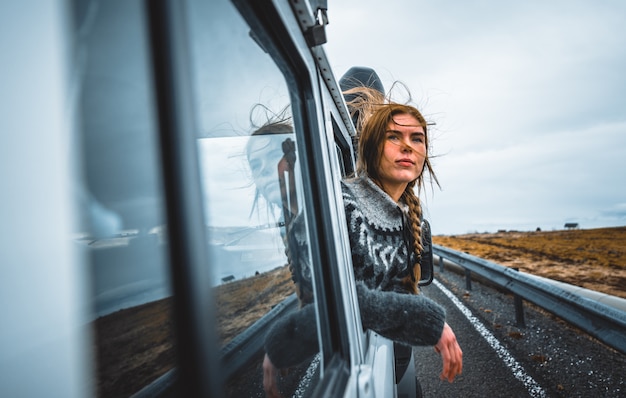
<point x="380" y="246"/>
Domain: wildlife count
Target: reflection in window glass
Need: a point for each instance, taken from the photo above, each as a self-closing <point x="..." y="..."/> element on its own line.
<point x="252" y="188"/>
<point x="241" y="214"/>
<point x="124" y="231"/>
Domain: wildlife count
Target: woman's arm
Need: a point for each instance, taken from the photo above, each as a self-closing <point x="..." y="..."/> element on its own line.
<point x="292" y="338"/>
<point x="411" y="319"/>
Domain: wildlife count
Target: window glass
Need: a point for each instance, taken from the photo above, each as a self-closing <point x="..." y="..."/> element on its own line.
<point x="254" y="208"/>
<point x="123" y="227"/>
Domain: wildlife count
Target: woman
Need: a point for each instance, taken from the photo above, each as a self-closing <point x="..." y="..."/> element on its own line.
<point x="383" y="215"/>
<point x="271" y="154"/>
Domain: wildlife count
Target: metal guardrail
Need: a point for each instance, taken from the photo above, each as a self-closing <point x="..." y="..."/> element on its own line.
<point x="248" y="344"/>
<point x="612" y="301"/>
<point x="599" y="320"/>
<point x="235" y="355"/>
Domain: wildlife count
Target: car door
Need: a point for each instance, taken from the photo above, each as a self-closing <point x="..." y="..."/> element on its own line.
<point x="201" y="162"/>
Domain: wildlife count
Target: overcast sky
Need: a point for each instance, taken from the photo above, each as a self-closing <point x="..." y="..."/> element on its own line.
<point x="529" y="100"/>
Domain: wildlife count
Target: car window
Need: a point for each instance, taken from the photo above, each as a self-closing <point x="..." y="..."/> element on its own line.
<point x="123" y="230"/>
<point x="255" y="212"/>
<point x="252" y="190"/>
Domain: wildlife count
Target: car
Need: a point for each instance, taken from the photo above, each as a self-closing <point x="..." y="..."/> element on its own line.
<point x="163" y="118"/>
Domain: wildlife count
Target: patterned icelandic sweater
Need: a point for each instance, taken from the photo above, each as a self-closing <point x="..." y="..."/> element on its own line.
<point x="381" y="245"/>
<point x="378" y="243"/>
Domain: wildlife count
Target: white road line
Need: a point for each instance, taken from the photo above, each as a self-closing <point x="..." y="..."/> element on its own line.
<point x="531" y="385"/>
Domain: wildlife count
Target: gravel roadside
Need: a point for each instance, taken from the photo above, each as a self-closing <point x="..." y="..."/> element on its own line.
<point x="563" y="360"/>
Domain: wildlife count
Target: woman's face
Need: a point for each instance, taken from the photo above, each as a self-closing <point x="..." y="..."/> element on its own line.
<point x="403" y="155"/>
<point x="264" y="152"/>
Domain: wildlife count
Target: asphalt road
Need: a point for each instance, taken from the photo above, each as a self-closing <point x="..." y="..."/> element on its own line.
<point x="546" y="358"/>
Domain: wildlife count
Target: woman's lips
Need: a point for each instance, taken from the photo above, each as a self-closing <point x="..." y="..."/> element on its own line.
<point x="405" y="162"/>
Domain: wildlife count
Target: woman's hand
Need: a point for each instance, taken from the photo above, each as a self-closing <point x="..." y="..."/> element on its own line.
<point x="270" y="378"/>
<point x="451" y="354"/>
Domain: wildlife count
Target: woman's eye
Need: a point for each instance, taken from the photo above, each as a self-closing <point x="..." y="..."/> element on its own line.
<point x="392" y="138"/>
<point x="417" y="139"/>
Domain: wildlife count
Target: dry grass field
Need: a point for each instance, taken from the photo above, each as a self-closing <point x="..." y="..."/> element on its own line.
<point x="134" y="346"/>
<point x="590" y="258"/>
<point x="241" y="303"/>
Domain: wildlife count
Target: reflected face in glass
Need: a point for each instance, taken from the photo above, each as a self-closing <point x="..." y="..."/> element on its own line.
<point x="264" y="152"/>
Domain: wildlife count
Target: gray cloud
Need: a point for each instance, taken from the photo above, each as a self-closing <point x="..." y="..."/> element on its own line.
<point x="527" y="96"/>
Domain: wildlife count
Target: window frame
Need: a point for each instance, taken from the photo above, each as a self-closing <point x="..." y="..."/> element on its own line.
<point x="198" y="371"/>
<point x="275" y="28"/>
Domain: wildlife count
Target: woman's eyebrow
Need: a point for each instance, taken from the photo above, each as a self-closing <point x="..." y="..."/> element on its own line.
<point x="400" y="132"/>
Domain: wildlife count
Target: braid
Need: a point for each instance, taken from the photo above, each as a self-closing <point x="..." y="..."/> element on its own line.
<point x="298" y="266"/>
<point x="415" y="216"/>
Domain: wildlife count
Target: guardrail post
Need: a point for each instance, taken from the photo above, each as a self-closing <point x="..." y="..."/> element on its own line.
<point x="599" y="320"/>
<point x="519" y="309"/>
<point x="468" y="279"/>
<point x="441" y="267"/>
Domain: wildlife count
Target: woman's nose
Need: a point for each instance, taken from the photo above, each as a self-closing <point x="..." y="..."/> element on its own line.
<point x="406" y="146"/>
<point x="262" y="172"/>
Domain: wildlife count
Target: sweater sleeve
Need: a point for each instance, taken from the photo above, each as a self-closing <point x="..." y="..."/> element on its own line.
<point x="292" y="338"/>
<point x="410" y="319"/>
<point x="406" y="318"/>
